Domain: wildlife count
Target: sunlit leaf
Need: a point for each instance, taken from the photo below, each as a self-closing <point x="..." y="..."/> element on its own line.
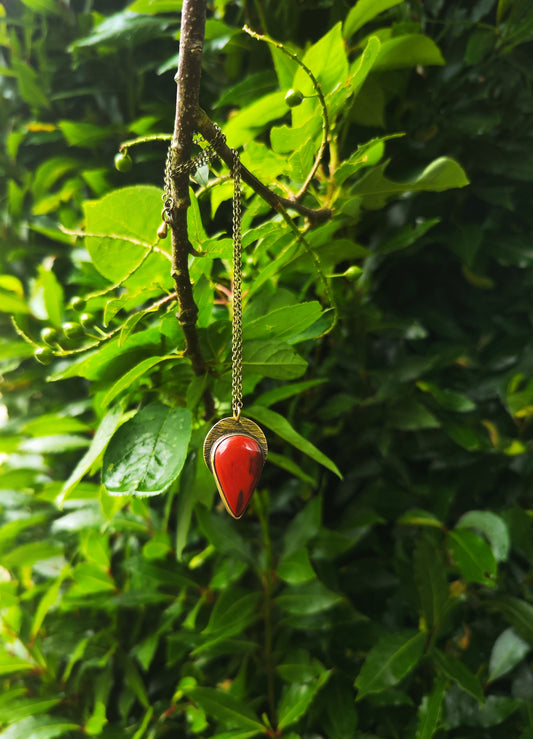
<point x="147" y="453"/>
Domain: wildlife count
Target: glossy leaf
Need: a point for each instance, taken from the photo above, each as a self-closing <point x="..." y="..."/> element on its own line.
<point x="457" y="671"/>
<point x="364" y="11"/>
<point x="429" y="711"/>
<point x="103" y="434"/>
<point x="127" y="380"/>
<point x="42" y="727"/>
<point x="280" y="426"/>
<point x="308" y="599"/>
<point x="473" y="556"/>
<point x="431" y="581"/>
<point x="296" y="568"/>
<point x="225" y="708"/>
<point x="508" y="650"/>
<point x="147" y="453"/>
<point x="297" y="699"/>
<point x="283" y="323"/>
<point x="408" y="51"/>
<point x="493" y="527"/>
<point x="273" y="359"/>
<point x="376" y="188"/>
<point x="131" y="217"/>
<point x="518" y="613"/>
<point x="125" y="28"/>
<point x="389" y="661"/>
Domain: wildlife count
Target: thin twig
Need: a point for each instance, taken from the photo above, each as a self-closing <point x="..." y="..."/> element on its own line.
<point x="320" y="95"/>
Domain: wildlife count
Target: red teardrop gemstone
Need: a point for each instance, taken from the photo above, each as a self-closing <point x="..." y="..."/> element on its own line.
<point x="237" y="464"/>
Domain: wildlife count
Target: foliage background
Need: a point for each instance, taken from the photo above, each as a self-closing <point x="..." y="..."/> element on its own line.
<point x="395" y="602"/>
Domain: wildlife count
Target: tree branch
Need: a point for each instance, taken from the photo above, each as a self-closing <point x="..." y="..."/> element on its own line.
<point x="209" y="131"/>
<point x="187" y="103"/>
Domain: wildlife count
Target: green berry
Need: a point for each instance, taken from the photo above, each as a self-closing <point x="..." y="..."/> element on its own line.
<point x="87" y="320"/>
<point x="294" y="98"/>
<point x="77" y="303"/>
<point x="48" y="335"/>
<point x="123" y="161"/>
<point x="353" y="272"/>
<point x="72" y="330"/>
<point x="43" y="354"/>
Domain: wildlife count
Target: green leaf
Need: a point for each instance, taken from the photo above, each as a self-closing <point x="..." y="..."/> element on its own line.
<point x="308" y="599"/>
<point x="78" y="133"/>
<point x="303" y="527"/>
<point x="296" y="700"/>
<point x="493" y="527"/>
<point x="272" y="359"/>
<point x="123" y="29"/>
<point x="327" y="60"/>
<point x="361" y="68"/>
<point x="225" y="708"/>
<point x="408" y="415"/>
<point x="283" y="323"/>
<point x="461" y="710"/>
<point x="518" y="613"/>
<point x="296" y="568"/>
<point x="29" y="85"/>
<point x="42" y="727"/>
<point x="280" y="426"/>
<point x="457" y="671"/>
<point x="338" y="697"/>
<point x="90" y="578"/>
<point x="104" y="432"/>
<point x="417" y="517"/>
<point x="283" y="392"/>
<point x="93" y="364"/>
<point x="126" y="222"/>
<point x="233" y="612"/>
<point x="26" y="555"/>
<point x="376" y="188"/>
<point x="364" y="11"/>
<point x="447" y="399"/>
<point x="508" y="650"/>
<point x="20" y="709"/>
<point x="48" y="601"/>
<point x="429" y="711"/>
<point x="251" y="120"/>
<point x="147" y="453"/>
<point x="298" y="667"/>
<point x="127" y="380"/>
<point x="46" y="300"/>
<point x="431" y="581"/>
<point x="408" y="51"/>
<point x="473" y="556"/>
<point x="389" y="661"/>
<point x="10" y="664"/>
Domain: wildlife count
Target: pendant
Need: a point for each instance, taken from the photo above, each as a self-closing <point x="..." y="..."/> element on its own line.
<point x="235" y="451"/>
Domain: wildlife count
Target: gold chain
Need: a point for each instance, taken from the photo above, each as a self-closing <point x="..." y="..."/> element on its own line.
<point x="171" y="169"/>
<point x="236" y="323"/>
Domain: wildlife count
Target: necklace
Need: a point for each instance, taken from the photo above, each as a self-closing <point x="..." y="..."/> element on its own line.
<point x="235" y="449"/>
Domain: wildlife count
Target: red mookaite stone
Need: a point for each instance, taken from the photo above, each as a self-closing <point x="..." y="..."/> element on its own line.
<point x="237" y="465"/>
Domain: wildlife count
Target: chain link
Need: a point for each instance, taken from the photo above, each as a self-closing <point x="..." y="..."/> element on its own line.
<point x="236" y="324"/>
<point x="207" y="154"/>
